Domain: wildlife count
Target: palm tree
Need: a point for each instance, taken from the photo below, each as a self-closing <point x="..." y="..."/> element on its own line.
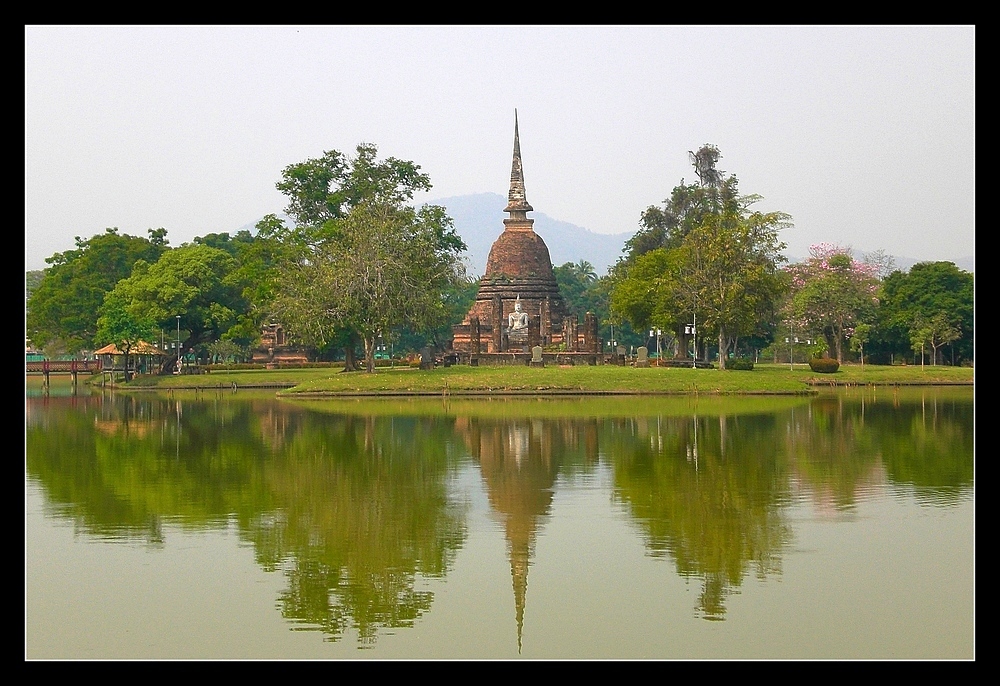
<point x="585" y="270"/>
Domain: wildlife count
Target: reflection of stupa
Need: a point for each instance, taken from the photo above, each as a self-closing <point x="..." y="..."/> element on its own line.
<point x="517" y="465"/>
<point x="519" y="268"/>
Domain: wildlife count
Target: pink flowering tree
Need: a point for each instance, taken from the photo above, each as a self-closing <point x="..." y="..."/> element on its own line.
<point x="832" y="293"/>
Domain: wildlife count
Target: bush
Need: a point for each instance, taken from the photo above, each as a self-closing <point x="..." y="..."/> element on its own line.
<point x="740" y="363"/>
<point x="823" y="365"/>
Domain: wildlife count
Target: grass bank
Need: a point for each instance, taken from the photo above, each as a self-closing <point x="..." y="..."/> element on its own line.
<point x="555" y="381"/>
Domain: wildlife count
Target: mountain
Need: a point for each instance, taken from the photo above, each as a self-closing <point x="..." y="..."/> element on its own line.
<point x="479" y="220"/>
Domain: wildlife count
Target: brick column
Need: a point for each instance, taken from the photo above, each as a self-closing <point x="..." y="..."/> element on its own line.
<point x="497" y="323"/>
<point x="570" y="333"/>
<point x="590" y="329"/>
<point x="545" y="322"/>
<point x="474" y="345"/>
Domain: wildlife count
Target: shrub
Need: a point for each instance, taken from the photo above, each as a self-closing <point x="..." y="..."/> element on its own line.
<point x="740" y="363"/>
<point x="823" y="365"/>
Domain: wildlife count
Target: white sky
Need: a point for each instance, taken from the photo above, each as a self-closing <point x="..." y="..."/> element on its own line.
<point x="865" y="135"/>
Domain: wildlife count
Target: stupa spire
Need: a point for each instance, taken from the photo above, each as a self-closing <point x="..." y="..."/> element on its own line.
<point x="517" y="203"/>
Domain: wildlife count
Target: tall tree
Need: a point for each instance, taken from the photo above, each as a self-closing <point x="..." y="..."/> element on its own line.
<point x="198" y="283"/>
<point x="64" y="307"/>
<point x="666" y="226"/>
<point x="929" y="290"/>
<point x="329" y="187"/>
<point x="385" y="266"/>
<point x="833" y="292"/>
<point x="365" y="262"/>
<point x="707" y="256"/>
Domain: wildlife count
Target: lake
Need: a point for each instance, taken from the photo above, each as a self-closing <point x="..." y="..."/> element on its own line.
<point x="239" y="525"/>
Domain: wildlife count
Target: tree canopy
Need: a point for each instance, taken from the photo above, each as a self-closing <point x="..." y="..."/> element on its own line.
<point x="365" y="262"/>
<point x="931" y="296"/>
<point x="687" y="206"/>
<point x="330" y="186"/>
<point x="704" y="256"/>
<point x="195" y="282"/>
<point x="832" y="293"/>
<point x="63" y="308"/>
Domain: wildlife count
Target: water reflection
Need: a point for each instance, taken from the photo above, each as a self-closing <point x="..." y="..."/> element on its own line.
<point x="519" y="460"/>
<point x="708" y="493"/>
<point x="354" y="503"/>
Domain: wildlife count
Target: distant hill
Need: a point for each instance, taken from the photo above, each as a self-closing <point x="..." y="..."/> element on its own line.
<point x="479" y="220"/>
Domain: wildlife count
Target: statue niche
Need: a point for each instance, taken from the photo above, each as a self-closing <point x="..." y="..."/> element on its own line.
<point x="517" y="326"/>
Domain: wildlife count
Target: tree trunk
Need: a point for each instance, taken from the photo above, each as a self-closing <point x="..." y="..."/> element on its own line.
<point x="723" y="348"/>
<point x="350" y="365"/>
<point x="831" y="342"/>
<point x="370" y="354"/>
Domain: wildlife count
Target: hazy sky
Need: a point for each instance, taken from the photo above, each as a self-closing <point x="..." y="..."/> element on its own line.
<point x="865" y="135"/>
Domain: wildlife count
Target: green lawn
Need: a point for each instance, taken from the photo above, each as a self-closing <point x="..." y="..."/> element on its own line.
<point x="765" y="378"/>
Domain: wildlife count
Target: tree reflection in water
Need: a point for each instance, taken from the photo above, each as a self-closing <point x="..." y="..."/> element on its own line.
<point x="352" y="503"/>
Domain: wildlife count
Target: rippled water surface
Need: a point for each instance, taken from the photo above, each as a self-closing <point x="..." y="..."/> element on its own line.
<point x="238" y="525"/>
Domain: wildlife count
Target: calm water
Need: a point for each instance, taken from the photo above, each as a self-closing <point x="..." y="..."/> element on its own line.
<point x="237" y="525"/>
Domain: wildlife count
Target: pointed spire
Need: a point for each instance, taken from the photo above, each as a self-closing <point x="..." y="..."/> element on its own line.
<point x="517" y="203"/>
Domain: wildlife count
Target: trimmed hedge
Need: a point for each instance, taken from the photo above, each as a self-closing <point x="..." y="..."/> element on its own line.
<point x="740" y="363"/>
<point x="823" y="365"/>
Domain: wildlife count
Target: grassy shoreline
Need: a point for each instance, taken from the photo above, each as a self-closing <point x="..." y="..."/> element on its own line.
<point x="554" y="381"/>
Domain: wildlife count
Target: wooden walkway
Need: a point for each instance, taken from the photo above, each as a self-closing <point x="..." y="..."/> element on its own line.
<point x="63" y="367"/>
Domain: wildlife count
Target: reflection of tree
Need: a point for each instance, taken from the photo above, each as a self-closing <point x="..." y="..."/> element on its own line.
<point x="364" y="510"/>
<point x="519" y="460"/>
<point x="707" y="492"/>
<point x="833" y="455"/>
<point x="919" y="437"/>
<point x="119" y="465"/>
<point x="352" y="509"/>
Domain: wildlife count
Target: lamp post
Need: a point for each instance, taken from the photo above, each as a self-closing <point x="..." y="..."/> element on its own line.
<point x="657" y="333"/>
<point x="178" y="343"/>
<point x="791" y="338"/>
<point x="690" y="330"/>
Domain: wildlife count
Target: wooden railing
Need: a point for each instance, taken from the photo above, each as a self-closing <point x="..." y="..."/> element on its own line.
<point x="63" y="366"/>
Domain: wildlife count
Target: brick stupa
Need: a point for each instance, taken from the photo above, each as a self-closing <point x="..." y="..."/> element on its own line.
<point x="519" y="269"/>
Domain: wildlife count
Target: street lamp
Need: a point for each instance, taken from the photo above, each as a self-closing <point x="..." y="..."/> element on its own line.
<point x="791" y="339"/>
<point x="178" y="344"/>
<point x="689" y="330"/>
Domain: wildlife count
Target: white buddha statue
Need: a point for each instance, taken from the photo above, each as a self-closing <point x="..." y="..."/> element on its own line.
<point x="517" y="321"/>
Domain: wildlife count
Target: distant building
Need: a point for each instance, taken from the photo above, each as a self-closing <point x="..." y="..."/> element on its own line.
<point x="275" y="348"/>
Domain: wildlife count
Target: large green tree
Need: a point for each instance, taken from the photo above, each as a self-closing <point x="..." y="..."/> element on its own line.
<point x="384" y="267"/>
<point x="198" y="283"/>
<point x="732" y="262"/>
<point x="715" y="262"/>
<point x="64" y="307"/>
<point x="936" y="292"/>
<point x="363" y="262"/>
